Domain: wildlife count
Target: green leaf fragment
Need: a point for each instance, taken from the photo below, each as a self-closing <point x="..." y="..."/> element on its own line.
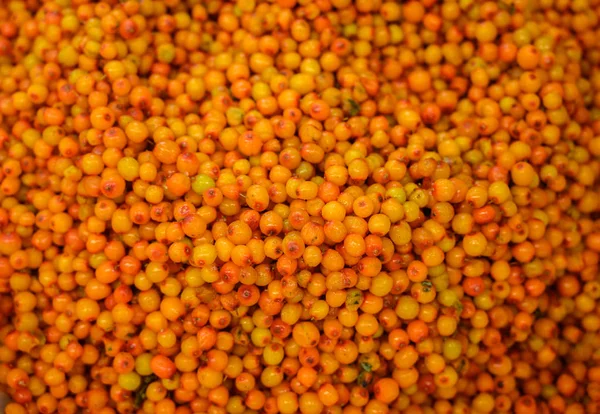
<point x="354" y="107"/>
<point x="140" y="394"/>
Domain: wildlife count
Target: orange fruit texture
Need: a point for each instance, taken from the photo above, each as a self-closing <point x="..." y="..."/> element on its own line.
<point x="300" y="206"/>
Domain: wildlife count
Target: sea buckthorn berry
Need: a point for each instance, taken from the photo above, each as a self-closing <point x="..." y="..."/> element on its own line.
<point x="386" y="390"/>
<point x="314" y="207"/>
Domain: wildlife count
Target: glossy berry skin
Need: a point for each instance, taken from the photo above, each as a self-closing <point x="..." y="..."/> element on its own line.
<point x="287" y="206"/>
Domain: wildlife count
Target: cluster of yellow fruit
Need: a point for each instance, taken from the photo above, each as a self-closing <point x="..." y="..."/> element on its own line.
<point x="313" y="206"/>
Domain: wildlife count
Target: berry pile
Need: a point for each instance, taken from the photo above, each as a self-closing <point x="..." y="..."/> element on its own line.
<point x="300" y="206"/>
